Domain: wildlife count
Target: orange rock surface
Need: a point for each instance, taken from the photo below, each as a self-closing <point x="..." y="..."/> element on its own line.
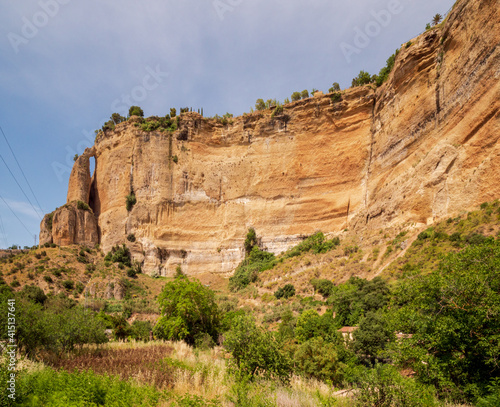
<point x="421" y="147"/>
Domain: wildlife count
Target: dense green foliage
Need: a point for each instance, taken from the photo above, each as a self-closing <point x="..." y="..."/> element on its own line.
<point x="135" y="111"/>
<point x="323" y="287"/>
<point x="188" y="312"/>
<point x="296" y="96"/>
<point x="50" y="324"/>
<point x="130" y="201"/>
<point x="248" y="270"/>
<point x="50" y="388"/>
<point x="119" y="254"/>
<point x="315" y="243"/>
<point x="255" y="351"/>
<point x="285" y="292"/>
<point x="363" y="78"/>
<point x="454" y="316"/>
<point x="356" y="297"/>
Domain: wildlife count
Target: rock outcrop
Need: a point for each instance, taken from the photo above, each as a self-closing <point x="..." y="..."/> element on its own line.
<point x="79" y="180"/>
<point x="421" y="147"/>
<point x="69" y="225"/>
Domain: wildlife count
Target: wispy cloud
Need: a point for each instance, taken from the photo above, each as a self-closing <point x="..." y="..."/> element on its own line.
<point x="23" y="208"/>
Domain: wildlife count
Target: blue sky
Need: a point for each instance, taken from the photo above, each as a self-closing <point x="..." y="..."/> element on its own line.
<point x="66" y="65"/>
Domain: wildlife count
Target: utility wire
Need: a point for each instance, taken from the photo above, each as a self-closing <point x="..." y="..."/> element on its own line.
<point x="20" y="187"/>
<point x="20" y="221"/>
<point x="22" y="172"/>
<point x="2" y="231"/>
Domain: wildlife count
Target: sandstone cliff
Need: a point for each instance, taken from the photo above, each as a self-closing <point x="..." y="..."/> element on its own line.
<point x="421" y="147"/>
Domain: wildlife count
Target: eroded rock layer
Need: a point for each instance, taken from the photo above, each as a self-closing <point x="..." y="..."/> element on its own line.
<point x="421" y="147"/>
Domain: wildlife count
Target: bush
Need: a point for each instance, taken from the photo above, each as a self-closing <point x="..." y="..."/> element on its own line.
<point x="141" y="330"/>
<point x="311" y="325"/>
<point x="316" y="243"/>
<point x="323" y="286"/>
<point x="33" y="293"/>
<point x="453" y="314"/>
<point x="335" y="88"/>
<point x="336" y="97"/>
<point x="318" y="359"/>
<point x="383" y="386"/>
<point x="83" y="206"/>
<point x="385" y="71"/>
<point x="131" y="237"/>
<point x="130" y="201"/>
<point x="119" y="254"/>
<point x="255" y="351"/>
<point x="68" y="284"/>
<point x="250" y="241"/>
<point x="248" y="270"/>
<point x="131" y="273"/>
<point x="363" y="78"/>
<point x="260" y="104"/>
<point x="47" y="387"/>
<point x="188" y="309"/>
<point x="304" y="94"/>
<point x="285" y="292"/>
<point x="175" y="159"/>
<point x="296" y="96"/>
<point x="173" y="112"/>
<point x="135" y="111"/>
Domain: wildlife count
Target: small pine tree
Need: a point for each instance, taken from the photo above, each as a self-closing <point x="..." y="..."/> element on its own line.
<point x="135" y="111"/>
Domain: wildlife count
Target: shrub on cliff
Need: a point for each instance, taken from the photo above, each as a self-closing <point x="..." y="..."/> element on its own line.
<point x="363" y="78"/>
<point x="83" y="206"/>
<point x="130" y="201"/>
<point x="304" y="94"/>
<point x="248" y="270"/>
<point x="135" y="111"/>
<point x="285" y="292"/>
<point x="335" y="87"/>
<point x="119" y="254"/>
<point x="260" y="104"/>
<point x="296" y="96"/>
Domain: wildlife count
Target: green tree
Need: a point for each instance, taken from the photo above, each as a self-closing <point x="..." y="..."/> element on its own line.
<point x="135" y="111"/>
<point x="296" y="96"/>
<point x="255" y="351"/>
<point x="304" y="94"/>
<point x="117" y="118"/>
<point x="250" y="241"/>
<point x="260" y="104"/>
<point x="285" y="292"/>
<point x="317" y="358"/>
<point x="437" y="19"/>
<point x="454" y="316"/>
<point x="363" y="78"/>
<point x="173" y="112"/>
<point x="188" y="311"/>
<point x="335" y="88"/>
<point x="310" y="325"/>
<point x="372" y="336"/>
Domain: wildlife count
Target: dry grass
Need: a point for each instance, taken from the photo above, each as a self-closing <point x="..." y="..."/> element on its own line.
<point x="173" y="366"/>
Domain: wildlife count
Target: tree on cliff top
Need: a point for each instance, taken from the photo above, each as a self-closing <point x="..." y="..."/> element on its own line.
<point x="135" y="111"/>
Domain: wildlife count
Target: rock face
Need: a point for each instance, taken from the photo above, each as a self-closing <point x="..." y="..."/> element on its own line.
<point x="69" y="225"/>
<point x="421" y="147"/>
<point x="79" y="180"/>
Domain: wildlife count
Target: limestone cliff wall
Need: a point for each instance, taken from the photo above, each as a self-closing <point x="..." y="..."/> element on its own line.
<point x="421" y="147"/>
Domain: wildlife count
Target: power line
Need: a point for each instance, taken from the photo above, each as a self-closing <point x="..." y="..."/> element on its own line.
<point x="20" y="221"/>
<point x="22" y="172"/>
<point x="2" y="231"/>
<point x="20" y="187"/>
